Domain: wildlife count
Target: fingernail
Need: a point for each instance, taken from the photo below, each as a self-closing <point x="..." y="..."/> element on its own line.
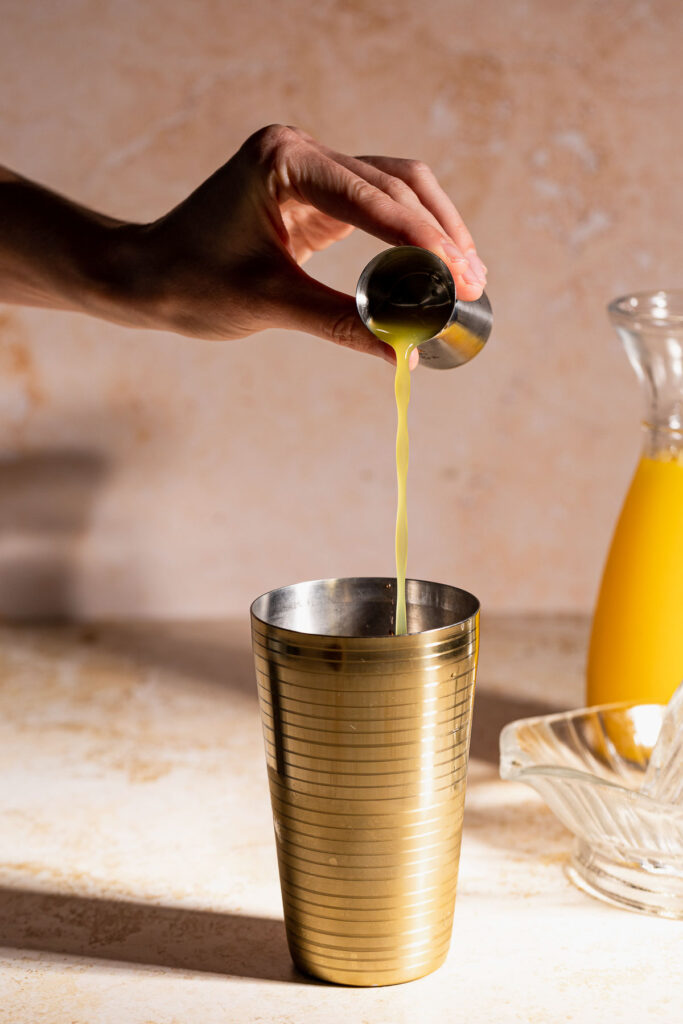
<point x="477" y="266"/>
<point x="470" y="277"/>
<point x="453" y="253"/>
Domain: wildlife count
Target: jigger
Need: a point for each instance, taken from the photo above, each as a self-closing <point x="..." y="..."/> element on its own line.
<point x="409" y="288"/>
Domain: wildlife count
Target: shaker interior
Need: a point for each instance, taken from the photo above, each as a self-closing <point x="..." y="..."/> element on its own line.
<point x="363" y="607"/>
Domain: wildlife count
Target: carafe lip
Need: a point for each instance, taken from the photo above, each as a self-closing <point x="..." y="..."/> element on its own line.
<point x="652" y="310"/>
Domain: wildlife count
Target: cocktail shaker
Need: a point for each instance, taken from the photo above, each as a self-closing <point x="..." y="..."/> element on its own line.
<point x="367" y="739"/>
<point x="409" y="288"/>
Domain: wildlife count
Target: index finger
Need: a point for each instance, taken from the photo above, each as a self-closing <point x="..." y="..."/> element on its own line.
<point x="303" y="172"/>
<point x="425" y="185"/>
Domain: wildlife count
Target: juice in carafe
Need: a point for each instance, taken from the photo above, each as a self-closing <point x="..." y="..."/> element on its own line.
<point x="636" y="651"/>
<point x="636" y="647"/>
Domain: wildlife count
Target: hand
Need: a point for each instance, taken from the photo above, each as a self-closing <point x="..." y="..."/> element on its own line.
<point x="230" y="255"/>
<point x="227" y="261"/>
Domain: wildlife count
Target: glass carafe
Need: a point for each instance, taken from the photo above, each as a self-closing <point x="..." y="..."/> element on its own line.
<point x="636" y="648"/>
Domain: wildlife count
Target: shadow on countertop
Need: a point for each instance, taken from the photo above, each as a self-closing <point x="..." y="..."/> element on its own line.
<point x="204" y="652"/>
<point x="139" y="933"/>
<point x="492" y="711"/>
<point x="218" y="653"/>
<point x="215" y="652"/>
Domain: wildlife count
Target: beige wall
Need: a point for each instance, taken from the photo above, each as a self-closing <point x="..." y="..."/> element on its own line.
<point x="145" y="473"/>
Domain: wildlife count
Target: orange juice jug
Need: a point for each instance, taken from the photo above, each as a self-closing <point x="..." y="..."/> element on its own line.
<point x="636" y="647"/>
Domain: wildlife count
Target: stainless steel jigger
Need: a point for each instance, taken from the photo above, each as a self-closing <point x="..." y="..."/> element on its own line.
<point x="412" y="289"/>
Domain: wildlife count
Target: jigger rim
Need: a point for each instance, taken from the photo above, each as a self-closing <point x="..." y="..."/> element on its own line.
<point x="471" y="603"/>
<point x="397" y="254"/>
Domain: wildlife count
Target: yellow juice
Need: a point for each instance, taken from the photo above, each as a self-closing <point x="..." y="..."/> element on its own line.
<point x="636" y="649"/>
<point x="403" y="340"/>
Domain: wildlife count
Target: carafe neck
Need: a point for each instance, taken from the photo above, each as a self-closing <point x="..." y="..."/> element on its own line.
<point x="662" y="440"/>
<point x="650" y="325"/>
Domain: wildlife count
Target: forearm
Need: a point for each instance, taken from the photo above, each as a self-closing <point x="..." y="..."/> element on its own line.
<point x="59" y="255"/>
<point x="226" y="262"/>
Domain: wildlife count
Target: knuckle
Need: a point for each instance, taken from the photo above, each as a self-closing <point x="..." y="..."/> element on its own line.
<point x="344" y="329"/>
<point x="399" y="190"/>
<point x="299" y="132"/>
<point x="420" y="169"/>
<point x="276" y="134"/>
<point x="362" y="193"/>
<point x="270" y="140"/>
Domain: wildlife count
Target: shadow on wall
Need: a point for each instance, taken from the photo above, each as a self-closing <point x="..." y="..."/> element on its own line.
<point x="46" y="501"/>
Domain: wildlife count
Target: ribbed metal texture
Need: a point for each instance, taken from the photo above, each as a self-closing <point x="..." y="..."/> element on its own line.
<point x="366" y="743"/>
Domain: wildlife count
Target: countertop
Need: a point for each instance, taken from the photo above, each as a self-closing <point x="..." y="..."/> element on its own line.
<point x="138" y="872"/>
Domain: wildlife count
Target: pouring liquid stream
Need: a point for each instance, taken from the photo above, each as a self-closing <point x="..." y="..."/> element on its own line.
<point x="406" y="296"/>
<point x="402" y="347"/>
<point x="403" y="338"/>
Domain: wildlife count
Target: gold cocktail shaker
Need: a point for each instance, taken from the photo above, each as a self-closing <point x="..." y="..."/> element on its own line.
<point x="367" y="739"/>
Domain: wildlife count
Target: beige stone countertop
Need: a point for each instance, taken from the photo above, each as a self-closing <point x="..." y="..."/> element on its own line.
<point x="138" y="872"/>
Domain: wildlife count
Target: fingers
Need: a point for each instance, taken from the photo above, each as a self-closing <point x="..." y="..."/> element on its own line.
<point x="310" y="230"/>
<point x="398" y="201"/>
<point x="300" y="169"/>
<point x="304" y="304"/>
<point x="394" y="186"/>
<point x="428" y="205"/>
<point x="423" y="183"/>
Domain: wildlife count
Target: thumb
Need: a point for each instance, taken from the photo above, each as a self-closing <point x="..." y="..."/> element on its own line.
<point x="305" y="304"/>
